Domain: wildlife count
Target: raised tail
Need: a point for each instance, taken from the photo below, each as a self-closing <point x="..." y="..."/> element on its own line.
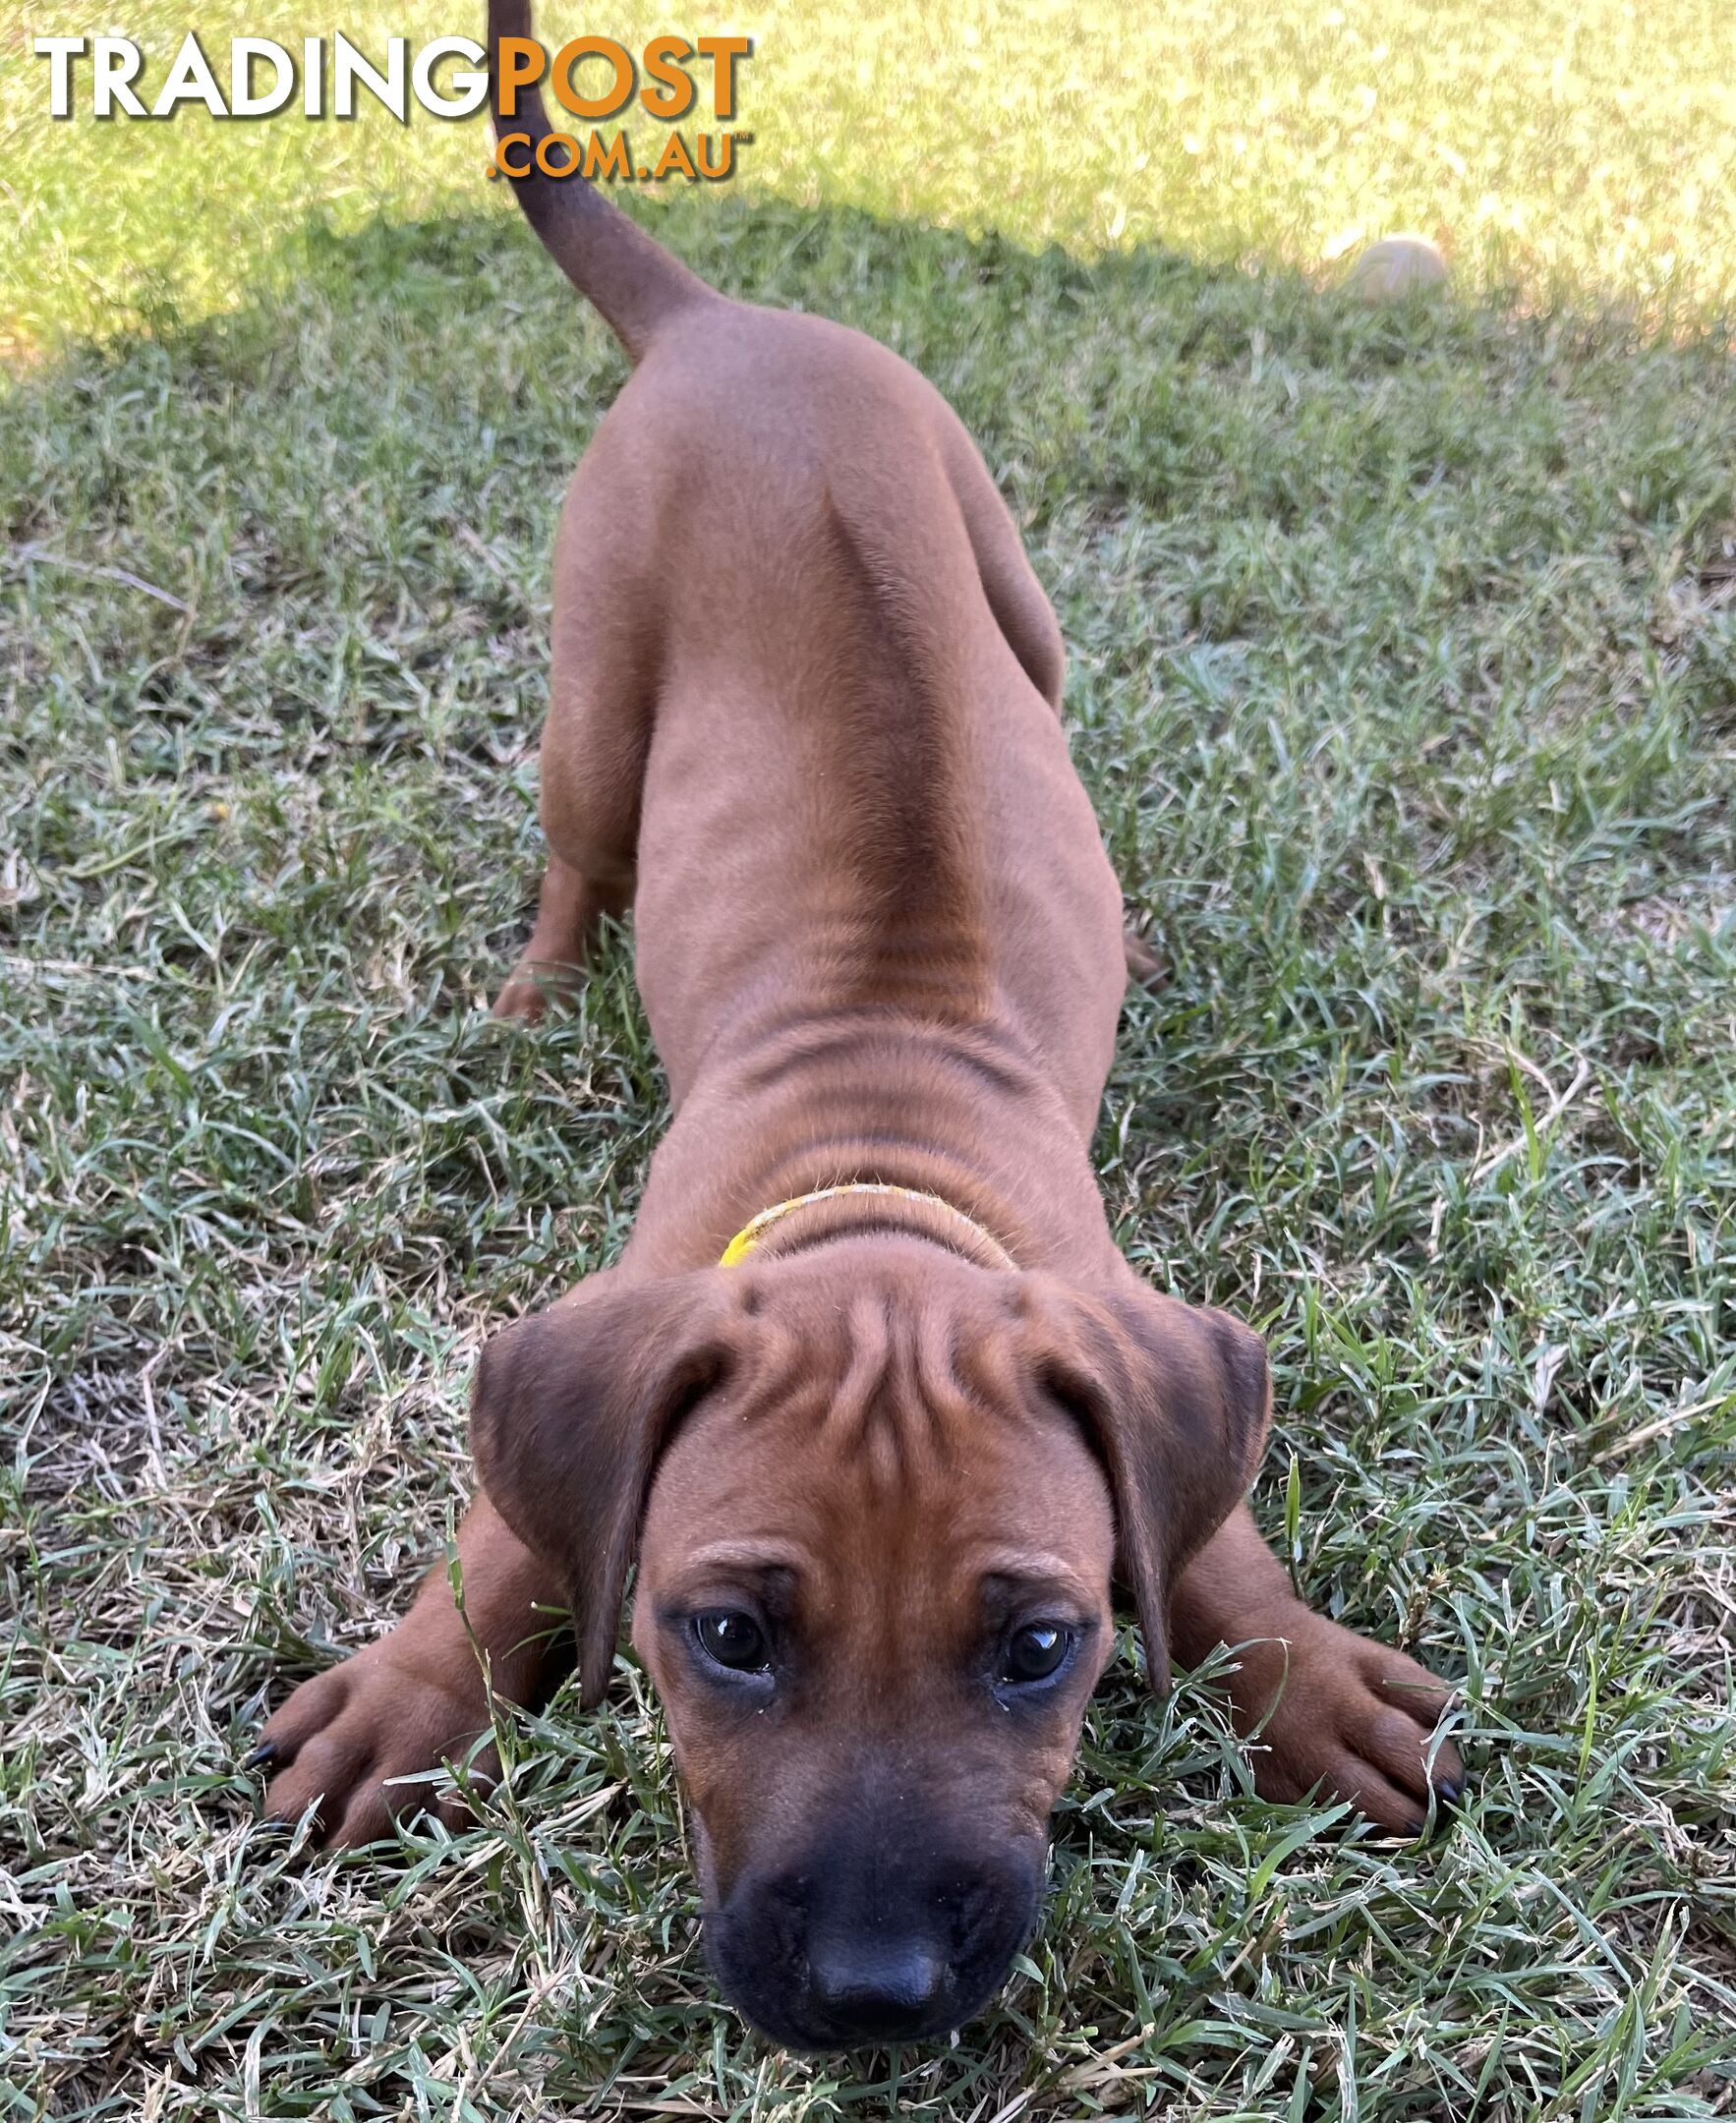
<point x="632" y="281"/>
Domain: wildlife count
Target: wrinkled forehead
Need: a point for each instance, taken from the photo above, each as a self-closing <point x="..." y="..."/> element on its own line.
<point x="901" y="1447"/>
<point x="1012" y="1481"/>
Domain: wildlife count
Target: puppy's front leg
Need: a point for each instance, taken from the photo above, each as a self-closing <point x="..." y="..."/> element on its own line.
<point x="1326" y="1708"/>
<point x="417" y="1698"/>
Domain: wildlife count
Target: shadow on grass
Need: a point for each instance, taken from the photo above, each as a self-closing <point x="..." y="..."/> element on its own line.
<point x="392" y="423"/>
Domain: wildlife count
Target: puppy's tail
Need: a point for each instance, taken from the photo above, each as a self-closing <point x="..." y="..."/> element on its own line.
<point x="632" y="280"/>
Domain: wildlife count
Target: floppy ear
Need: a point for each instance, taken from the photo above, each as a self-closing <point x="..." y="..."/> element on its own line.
<point x="570" y="1409"/>
<point x="1176" y="1399"/>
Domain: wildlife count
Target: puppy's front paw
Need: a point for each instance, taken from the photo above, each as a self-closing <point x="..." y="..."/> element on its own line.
<point x="1327" y="1710"/>
<point x="344" y="1734"/>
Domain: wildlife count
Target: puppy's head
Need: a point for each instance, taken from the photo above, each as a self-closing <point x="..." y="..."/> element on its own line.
<point x="877" y="1494"/>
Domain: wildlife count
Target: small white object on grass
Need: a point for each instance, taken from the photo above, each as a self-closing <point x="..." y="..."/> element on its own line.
<point x="1397" y="266"/>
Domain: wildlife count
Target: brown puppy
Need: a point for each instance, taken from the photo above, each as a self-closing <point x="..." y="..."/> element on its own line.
<point x="878" y="1470"/>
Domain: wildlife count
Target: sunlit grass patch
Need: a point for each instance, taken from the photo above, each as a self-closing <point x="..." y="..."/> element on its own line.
<point x="1576" y="149"/>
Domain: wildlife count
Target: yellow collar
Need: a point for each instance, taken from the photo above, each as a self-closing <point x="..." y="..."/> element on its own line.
<point x="756" y="1228"/>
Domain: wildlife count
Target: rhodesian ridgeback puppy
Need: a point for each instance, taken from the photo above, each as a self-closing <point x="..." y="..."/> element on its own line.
<point x="871" y="1395"/>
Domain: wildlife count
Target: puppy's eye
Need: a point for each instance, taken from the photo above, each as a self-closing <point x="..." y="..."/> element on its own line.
<point x="1036" y="1652"/>
<point x="734" y="1640"/>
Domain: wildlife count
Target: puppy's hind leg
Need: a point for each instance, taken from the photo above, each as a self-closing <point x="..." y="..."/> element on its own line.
<point x="594" y="743"/>
<point x="1016" y="597"/>
<point x="1023" y="612"/>
<point x="570" y="909"/>
<point x="1145" y="966"/>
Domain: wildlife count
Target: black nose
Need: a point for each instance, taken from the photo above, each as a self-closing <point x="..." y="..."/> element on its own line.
<point x="873" y="1990"/>
<point x="872" y="1940"/>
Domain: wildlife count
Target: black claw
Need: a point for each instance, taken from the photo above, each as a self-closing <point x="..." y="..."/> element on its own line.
<point x="1450" y="1790"/>
<point x="265" y="1752"/>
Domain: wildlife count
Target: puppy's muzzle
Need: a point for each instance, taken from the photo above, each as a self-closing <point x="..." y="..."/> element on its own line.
<point x="896" y="1940"/>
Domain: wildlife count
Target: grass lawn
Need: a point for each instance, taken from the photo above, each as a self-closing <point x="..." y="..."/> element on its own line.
<point x="1404" y="675"/>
